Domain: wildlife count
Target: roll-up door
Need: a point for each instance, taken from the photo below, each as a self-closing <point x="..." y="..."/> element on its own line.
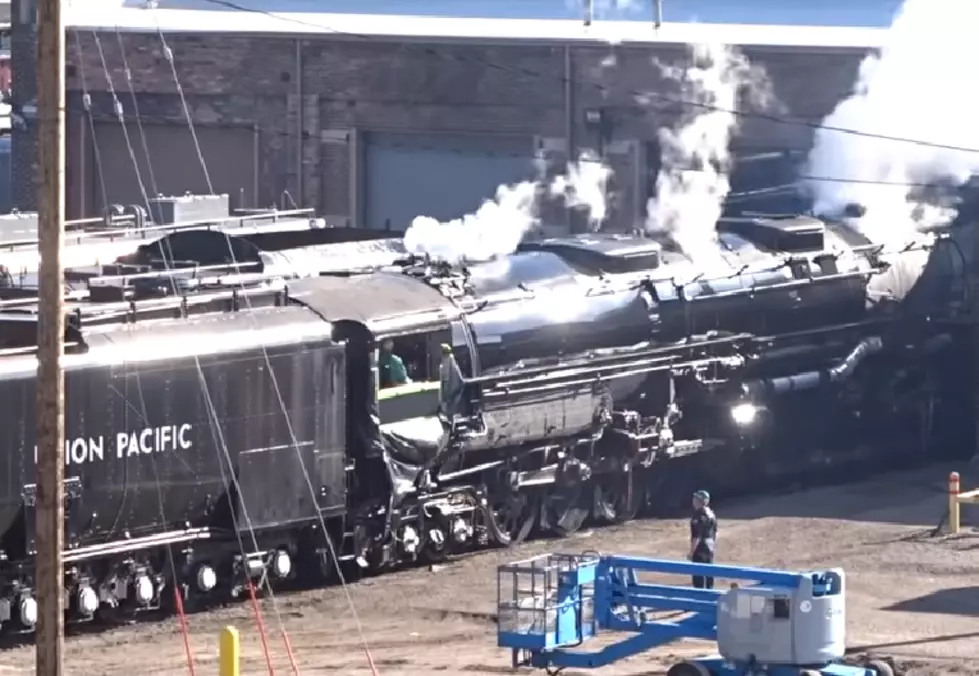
<point x="174" y="168"/>
<point x="442" y="176"/>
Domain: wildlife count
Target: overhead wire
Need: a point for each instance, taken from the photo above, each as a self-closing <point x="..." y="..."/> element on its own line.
<point x="87" y="105"/>
<point x="215" y="423"/>
<point x="429" y="51"/>
<point x="603" y="89"/>
<point x="278" y="393"/>
<point x="582" y="159"/>
<point x="139" y="121"/>
<point x="178" y="600"/>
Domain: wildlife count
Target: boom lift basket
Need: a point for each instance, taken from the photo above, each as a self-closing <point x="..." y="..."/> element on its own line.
<point x="547" y="601"/>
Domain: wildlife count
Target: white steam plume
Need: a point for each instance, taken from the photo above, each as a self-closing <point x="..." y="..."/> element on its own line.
<point x="498" y="226"/>
<point x="693" y="179"/>
<point x="584" y="186"/>
<point x="918" y="87"/>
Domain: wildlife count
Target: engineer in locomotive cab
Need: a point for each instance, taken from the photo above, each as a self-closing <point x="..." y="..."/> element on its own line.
<point x="391" y="366"/>
<point x="703" y="537"/>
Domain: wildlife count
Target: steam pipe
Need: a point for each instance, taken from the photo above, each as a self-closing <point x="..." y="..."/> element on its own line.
<point x="808" y="380"/>
<point x="659" y="13"/>
<point x="781" y="286"/>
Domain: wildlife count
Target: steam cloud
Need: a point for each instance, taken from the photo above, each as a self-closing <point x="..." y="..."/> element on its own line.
<point x="916" y="88"/>
<point x="693" y="179"/>
<point x="500" y="224"/>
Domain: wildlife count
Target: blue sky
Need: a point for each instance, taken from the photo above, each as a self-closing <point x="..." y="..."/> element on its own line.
<point x="871" y="13"/>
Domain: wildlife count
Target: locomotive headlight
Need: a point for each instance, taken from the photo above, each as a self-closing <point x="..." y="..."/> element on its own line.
<point x="744" y="414"/>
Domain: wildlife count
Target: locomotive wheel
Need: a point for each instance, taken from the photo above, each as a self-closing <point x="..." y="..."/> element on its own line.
<point x="515" y="514"/>
<point x="566" y="509"/>
<point x="618" y="498"/>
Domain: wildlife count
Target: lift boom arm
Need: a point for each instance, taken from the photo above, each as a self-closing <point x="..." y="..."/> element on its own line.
<point x="786" y="623"/>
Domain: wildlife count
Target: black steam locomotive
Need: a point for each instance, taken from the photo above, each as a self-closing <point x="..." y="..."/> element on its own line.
<point x="229" y="419"/>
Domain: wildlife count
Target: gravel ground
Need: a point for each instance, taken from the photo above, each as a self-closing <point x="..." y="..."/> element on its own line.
<point x="910" y="596"/>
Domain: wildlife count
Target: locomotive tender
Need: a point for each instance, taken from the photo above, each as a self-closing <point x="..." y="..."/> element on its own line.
<point x="226" y="419"/>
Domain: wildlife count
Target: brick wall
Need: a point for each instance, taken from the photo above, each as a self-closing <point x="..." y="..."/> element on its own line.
<point x="382" y="86"/>
<point x="23" y="60"/>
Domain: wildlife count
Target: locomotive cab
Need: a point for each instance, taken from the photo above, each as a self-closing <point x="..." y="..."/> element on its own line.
<point x="418" y="395"/>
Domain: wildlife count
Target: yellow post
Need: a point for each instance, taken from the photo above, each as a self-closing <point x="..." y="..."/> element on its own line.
<point x="953" y="503"/>
<point x="230" y="652"/>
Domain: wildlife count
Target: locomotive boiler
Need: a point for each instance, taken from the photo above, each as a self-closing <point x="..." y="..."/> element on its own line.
<point x="588" y="359"/>
<point x="228" y="423"/>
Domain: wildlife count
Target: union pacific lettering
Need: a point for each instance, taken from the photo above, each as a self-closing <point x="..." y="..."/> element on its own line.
<point x="136" y="443"/>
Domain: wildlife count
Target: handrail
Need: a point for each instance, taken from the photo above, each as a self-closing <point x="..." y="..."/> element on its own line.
<point x="141" y="233"/>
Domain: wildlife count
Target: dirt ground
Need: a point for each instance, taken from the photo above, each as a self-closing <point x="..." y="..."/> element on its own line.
<point x="910" y="596"/>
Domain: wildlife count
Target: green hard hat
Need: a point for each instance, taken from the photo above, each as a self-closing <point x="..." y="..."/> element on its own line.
<point x="702" y="495"/>
<point x="446" y="348"/>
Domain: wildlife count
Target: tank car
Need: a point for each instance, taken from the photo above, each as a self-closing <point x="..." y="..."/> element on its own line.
<point x="192" y="424"/>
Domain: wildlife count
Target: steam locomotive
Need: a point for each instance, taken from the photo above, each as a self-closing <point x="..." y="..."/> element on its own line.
<point x="227" y="422"/>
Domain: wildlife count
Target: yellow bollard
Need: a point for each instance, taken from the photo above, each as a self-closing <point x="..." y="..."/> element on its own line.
<point x="229" y="652"/>
<point x="954" y="515"/>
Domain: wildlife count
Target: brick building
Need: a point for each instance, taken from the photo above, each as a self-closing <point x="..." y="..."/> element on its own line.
<point x="373" y="120"/>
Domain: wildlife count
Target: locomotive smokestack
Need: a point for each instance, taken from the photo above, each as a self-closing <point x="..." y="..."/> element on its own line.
<point x="854" y="210"/>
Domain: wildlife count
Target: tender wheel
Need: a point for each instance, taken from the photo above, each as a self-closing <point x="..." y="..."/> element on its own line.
<point x="880" y="667"/>
<point x="688" y="669"/>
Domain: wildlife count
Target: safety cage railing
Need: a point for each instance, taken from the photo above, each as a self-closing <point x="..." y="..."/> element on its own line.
<point x="545" y="602"/>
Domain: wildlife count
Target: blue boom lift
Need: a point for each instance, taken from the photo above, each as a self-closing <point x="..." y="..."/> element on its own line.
<point x="771" y="623"/>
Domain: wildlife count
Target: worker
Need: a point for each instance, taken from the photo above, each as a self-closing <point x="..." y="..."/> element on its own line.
<point x="703" y="537"/>
<point x="451" y="382"/>
<point x="393" y="371"/>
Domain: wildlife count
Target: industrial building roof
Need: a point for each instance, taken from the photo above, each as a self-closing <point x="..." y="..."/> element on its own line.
<point x="824" y="13"/>
<point x="209" y="16"/>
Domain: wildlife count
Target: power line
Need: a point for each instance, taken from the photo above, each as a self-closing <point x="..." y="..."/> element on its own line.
<point x="783" y="153"/>
<point x="523" y="71"/>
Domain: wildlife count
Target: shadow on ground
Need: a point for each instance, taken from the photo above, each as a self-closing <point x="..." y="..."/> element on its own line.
<point x="915" y="497"/>
<point x="961" y="601"/>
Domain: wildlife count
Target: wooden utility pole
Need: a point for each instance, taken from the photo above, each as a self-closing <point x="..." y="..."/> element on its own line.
<point x="50" y="126"/>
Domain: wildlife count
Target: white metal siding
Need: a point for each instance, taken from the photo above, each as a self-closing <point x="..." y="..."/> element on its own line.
<point x="445" y="177"/>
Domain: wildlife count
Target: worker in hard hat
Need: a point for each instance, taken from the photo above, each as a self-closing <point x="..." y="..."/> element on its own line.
<point x="451" y="382"/>
<point x="703" y="536"/>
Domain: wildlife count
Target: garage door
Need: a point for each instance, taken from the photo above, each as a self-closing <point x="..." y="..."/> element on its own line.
<point x="764" y="180"/>
<point x="229" y="153"/>
<point x="445" y="177"/>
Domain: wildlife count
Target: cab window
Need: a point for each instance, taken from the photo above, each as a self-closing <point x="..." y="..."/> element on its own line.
<point x="404" y="360"/>
<point x="408" y="375"/>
